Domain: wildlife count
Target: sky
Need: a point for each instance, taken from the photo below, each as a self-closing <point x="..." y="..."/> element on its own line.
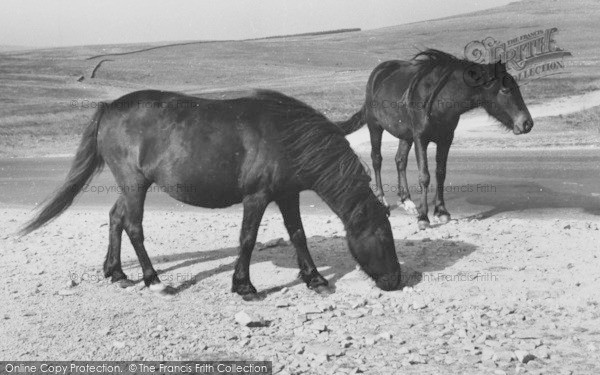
<point x="46" y="23"/>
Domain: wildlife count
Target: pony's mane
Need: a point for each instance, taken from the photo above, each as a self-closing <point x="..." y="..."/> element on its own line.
<point x="427" y="61"/>
<point x="320" y="155"/>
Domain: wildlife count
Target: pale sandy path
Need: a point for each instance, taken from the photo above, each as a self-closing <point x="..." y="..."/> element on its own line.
<point x="482" y="290"/>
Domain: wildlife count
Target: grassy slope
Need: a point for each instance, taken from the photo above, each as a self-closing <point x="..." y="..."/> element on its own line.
<point x="328" y="71"/>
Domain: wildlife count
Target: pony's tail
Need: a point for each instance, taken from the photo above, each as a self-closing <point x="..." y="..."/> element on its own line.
<point x="354" y="123"/>
<point x="87" y="162"/>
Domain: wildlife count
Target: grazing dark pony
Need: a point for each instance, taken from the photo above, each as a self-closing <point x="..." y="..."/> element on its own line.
<point x="420" y="101"/>
<point x="216" y="153"/>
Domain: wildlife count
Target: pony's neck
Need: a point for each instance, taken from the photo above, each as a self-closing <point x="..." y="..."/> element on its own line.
<point x="456" y="97"/>
<point x="469" y="97"/>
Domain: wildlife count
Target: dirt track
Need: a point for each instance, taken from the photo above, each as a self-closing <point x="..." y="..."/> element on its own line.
<point x="481" y="291"/>
<point x="550" y="182"/>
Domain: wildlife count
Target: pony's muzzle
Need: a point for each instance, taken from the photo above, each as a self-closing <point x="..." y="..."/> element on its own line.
<point x="524" y="127"/>
<point x="389" y="282"/>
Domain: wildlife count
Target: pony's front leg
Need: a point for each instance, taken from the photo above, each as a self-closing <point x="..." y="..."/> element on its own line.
<point x="441" y="158"/>
<point x="404" y="200"/>
<point x="254" y="208"/>
<point x="290" y="209"/>
<point x="421" y="153"/>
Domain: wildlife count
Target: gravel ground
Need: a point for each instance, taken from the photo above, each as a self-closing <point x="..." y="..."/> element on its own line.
<point x="500" y="295"/>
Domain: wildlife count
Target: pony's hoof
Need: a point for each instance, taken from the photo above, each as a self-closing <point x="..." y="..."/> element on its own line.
<point x="323" y="290"/>
<point x="408" y="206"/>
<point x="243" y="289"/>
<point x="125" y="283"/>
<point x="115" y="276"/>
<point x="443" y="218"/>
<point x="162" y="290"/>
<point x="384" y="202"/>
<point x="251" y="297"/>
<point x="423" y="224"/>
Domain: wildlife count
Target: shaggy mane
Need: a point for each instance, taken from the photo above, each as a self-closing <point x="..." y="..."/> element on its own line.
<point x="321" y="155"/>
<point x="427" y="61"/>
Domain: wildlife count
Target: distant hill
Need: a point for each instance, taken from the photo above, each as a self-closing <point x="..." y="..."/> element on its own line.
<point x="327" y="70"/>
<point x="8" y="48"/>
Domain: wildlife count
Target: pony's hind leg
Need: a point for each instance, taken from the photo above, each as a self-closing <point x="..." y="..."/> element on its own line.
<point x="254" y="208"/>
<point x="134" y="196"/>
<point x="112" y="263"/>
<point x="403" y="190"/>
<point x="376" y="133"/>
<point x="421" y="153"/>
<point x="441" y="158"/>
<point x="290" y="209"/>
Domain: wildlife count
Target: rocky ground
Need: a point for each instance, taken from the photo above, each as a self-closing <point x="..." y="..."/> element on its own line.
<point x="500" y="295"/>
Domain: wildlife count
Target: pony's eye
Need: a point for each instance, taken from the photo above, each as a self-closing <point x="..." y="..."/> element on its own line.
<point x="507" y="83"/>
<point x="489" y="84"/>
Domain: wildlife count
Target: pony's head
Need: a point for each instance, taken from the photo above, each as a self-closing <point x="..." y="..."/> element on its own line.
<point x="323" y="161"/>
<point x="500" y="96"/>
<point x="371" y="243"/>
<point x="490" y="86"/>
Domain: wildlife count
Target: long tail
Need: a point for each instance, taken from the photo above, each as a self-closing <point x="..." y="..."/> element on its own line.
<point x="87" y="162"/>
<point x="354" y="123"/>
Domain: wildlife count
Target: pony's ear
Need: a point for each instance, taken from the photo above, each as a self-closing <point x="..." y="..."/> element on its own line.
<point x="500" y="66"/>
<point x="490" y="75"/>
<point x="474" y="75"/>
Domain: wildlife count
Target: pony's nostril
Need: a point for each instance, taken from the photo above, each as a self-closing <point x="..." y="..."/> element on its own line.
<point x="528" y="125"/>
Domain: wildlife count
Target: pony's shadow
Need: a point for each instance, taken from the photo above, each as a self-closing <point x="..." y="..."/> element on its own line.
<point x="330" y="253"/>
<point x="521" y="196"/>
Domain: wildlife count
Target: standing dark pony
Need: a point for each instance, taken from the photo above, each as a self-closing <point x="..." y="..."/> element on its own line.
<point x="420" y="101"/>
<point x="216" y="153"/>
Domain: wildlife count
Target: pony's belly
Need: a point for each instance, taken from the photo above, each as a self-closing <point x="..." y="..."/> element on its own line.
<point x="202" y="193"/>
<point x="400" y="130"/>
